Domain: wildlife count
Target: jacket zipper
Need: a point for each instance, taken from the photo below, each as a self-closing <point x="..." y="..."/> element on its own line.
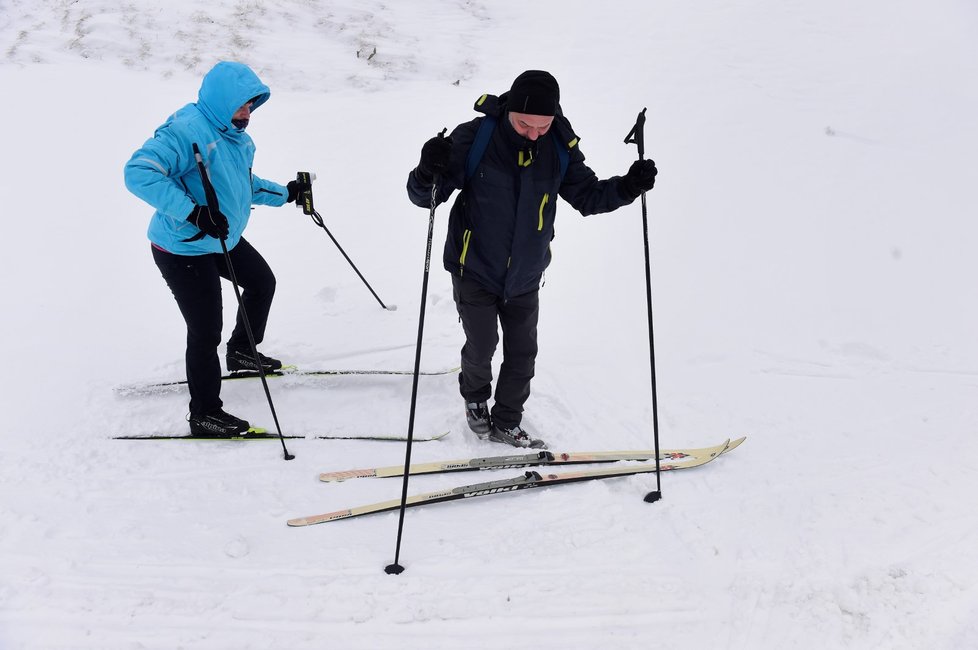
<point x="466" y="236"/>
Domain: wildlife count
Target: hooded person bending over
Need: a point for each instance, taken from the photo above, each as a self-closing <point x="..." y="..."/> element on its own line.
<point x="510" y="166"/>
<point x="185" y="232"/>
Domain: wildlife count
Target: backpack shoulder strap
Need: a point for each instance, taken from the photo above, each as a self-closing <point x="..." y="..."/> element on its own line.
<point x="565" y="140"/>
<point x="479" y="145"/>
<point x="563" y="153"/>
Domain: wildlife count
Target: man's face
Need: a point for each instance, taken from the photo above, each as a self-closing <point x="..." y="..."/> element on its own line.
<point x="530" y="127"/>
<point x="243" y="113"/>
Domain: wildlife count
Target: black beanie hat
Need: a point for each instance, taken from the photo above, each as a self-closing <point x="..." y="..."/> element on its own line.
<point x="534" y="92"/>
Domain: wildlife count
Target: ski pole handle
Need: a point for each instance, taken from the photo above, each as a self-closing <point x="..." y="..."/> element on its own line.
<point x="637" y="134"/>
<point x="436" y="176"/>
<point x="209" y="194"/>
<point x="306" y="178"/>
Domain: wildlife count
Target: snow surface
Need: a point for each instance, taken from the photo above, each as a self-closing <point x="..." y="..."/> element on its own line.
<point x="813" y="255"/>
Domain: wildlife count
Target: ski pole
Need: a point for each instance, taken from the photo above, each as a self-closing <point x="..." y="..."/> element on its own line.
<point x="211" y="197"/>
<point x="396" y="568"/>
<point x="309" y="209"/>
<point x="637" y="136"/>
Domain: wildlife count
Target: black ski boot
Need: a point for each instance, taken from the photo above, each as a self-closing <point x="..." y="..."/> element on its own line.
<point x="217" y="424"/>
<point x="242" y="360"/>
<point x="516" y="437"/>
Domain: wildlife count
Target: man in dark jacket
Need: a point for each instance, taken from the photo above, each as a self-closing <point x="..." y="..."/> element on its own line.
<point x="510" y="165"/>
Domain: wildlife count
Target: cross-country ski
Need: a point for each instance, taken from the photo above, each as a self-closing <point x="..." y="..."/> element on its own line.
<point x="263" y="434"/>
<point x="153" y="388"/>
<point x="548" y="458"/>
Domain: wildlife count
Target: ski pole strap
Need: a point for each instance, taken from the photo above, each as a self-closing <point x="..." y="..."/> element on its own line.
<point x="199" y="235"/>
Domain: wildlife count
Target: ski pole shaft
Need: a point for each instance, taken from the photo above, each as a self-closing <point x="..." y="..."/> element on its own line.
<point x="637" y="136"/>
<point x="396" y="568"/>
<point x="309" y="209"/>
<point x="212" y="202"/>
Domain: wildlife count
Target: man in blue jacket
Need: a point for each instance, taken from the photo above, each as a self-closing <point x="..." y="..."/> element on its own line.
<point x="510" y="165"/>
<point x="184" y="232"/>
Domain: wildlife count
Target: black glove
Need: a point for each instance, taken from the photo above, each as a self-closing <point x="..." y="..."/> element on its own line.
<point x="210" y="222"/>
<point x="640" y="178"/>
<point x="297" y="189"/>
<point x="435" y="155"/>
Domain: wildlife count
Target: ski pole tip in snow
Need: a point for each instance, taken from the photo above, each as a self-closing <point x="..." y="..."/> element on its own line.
<point x="652" y="497"/>
<point x="394" y="569"/>
<point x="390" y="307"/>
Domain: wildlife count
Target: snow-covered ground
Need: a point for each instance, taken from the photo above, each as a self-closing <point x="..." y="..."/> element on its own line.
<point x="814" y="272"/>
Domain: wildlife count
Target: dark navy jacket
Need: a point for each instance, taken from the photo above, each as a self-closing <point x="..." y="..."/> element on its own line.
<point x="501" y="224"/>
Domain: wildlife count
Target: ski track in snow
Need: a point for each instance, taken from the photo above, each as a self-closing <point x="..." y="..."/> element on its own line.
<point x="813" y="269"/>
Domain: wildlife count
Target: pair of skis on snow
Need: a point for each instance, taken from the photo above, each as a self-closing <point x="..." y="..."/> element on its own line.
<point x="669" y="460"/>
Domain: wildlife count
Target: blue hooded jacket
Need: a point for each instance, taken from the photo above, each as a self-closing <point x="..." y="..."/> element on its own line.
<point x="163" y="172"/>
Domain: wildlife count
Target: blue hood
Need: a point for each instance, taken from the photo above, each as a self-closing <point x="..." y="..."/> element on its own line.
<point x="225" y="89"/>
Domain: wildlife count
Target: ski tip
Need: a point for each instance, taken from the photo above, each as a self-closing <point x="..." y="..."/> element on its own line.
<point x="329" y="477"/>
<point x="735" y="443"/>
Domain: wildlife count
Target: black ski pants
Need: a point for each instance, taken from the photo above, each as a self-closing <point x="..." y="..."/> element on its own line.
<point x="195" y="281"/>
<point x="480" y="311"/>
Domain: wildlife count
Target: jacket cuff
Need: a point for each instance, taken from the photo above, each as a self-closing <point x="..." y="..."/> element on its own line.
<point x="624" y="192"/>
<point x="422" y="177"/>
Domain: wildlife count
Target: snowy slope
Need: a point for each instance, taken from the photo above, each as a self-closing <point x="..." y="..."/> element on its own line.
<point x="813" y="265"/>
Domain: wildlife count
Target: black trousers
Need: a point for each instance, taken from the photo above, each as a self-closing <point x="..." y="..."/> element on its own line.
<point x="480" y="311"/>
<point x="195" y="281"/>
